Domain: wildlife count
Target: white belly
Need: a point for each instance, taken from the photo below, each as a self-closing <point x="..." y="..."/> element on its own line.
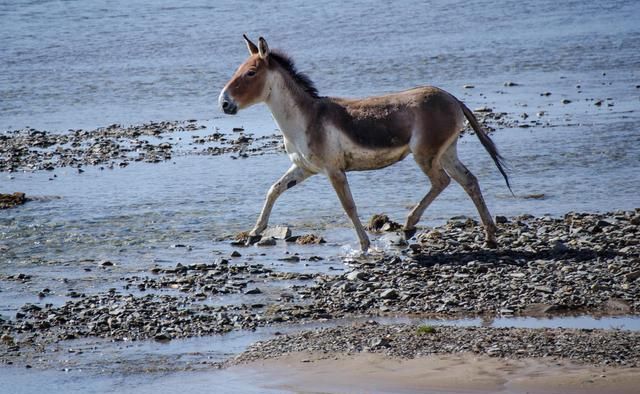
<point x="357" y="158"/>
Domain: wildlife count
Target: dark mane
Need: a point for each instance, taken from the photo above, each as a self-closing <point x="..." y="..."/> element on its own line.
<point x="300" y="78"/>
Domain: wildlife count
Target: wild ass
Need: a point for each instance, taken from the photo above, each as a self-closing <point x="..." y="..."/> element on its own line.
<point x="331" y="135"/>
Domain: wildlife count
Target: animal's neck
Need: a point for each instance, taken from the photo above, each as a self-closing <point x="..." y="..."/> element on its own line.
<point x="288" y="103"/>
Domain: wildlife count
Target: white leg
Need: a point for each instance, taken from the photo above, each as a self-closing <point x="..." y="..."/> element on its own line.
<point x="339" y="181"/>
<point x="294" y="176"/>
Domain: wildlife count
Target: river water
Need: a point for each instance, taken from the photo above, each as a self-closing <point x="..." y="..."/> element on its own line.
<point x="80" y="64"/>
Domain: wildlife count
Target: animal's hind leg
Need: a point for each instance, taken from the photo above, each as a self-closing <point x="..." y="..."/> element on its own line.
<point x="469" y="183"/>
<point x="439" y="181"/>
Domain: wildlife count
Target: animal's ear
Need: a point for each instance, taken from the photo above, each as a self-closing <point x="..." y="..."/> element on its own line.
<point x="263" y="48"/>
<point x="253" y="49"/>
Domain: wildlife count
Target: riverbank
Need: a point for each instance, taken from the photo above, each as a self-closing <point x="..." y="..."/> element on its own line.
<point x="582" y="263"/>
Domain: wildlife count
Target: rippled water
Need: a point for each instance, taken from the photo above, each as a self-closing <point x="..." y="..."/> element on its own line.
<point x="71" y="64"/>
<point x="81" y="64"/>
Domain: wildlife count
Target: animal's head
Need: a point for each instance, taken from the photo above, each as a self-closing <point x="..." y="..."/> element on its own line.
<point x="248" y="85"/>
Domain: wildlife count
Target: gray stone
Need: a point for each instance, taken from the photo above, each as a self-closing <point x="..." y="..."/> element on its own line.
<point x="389" y="294"/>
<point x="357" y="275"/>
<point x="632" y="276"/>
<point x="266" y="242"/>
<point x="277" y="232"/>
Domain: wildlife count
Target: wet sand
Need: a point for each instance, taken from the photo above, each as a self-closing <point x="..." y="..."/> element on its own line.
<point x="375" y="373"/>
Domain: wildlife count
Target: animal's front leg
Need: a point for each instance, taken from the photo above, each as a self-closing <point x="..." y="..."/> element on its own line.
<point x="340" y="184"/>
<point x="294" y="176"/>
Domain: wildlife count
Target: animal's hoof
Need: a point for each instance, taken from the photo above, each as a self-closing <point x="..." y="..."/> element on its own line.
<point x="251" y="239"/>
<point x="408" y="234"/>
<point x="491" y="244"/>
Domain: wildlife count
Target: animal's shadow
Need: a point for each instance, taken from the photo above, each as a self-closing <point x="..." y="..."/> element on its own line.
<point x="507" y="257"/>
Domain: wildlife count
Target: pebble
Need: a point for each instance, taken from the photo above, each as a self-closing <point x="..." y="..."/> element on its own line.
<point x="266" y="242"/>
<point x="309" y="239"/>
<point x="357" y="275"/>
<point x="382" y="223"/>
<point x="12" y="200"/>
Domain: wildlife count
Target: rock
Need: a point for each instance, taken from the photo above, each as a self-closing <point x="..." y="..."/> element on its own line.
<point x="468" y="86"/>
<point x="389" y="294"/>
<point x="309" y="239"/>
<point x="278" y="232"/>
<point x="509" y="84"/>
<point x="617" y="305"/>
<point x="291" y="259"/>
<point x="7" y="340"/>
<point x="12" y="200"/>
<point x="266" y="242"/>
<point x="501" y="220"/>
<point x="357" y="275"/>
<point x="483" y="110"/>
<point x="253" y="291"/>
<point x="544" y="289"/>
<point x="379" y="342"/>
<point x="235" y="253"/>
<point x="566" y="101"/>
<point x="393" y="239"/>
<point x="162" y="337"/>
<point x="559" y="247"/>
<point x="381" y="223"/>
<point x="632" y="276"/>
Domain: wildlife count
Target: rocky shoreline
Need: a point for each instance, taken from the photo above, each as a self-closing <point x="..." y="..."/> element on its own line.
<point x="544" y="266"/>
<point x="407" y="341"/>
<point x="118" y="146"/>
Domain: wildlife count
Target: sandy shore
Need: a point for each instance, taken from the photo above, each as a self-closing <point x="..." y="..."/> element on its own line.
<point x="374" y="373"/>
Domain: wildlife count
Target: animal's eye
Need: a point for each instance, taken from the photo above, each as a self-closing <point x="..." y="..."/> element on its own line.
<point x="251" y="73"/>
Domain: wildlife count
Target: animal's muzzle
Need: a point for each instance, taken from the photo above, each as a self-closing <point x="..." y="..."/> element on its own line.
<point x="227" y="104"/>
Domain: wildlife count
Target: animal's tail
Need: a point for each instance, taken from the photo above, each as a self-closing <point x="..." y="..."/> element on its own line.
<point x="487" y="143"/>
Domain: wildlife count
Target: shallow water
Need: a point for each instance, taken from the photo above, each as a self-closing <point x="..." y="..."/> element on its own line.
<point x="78" y="64"/>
